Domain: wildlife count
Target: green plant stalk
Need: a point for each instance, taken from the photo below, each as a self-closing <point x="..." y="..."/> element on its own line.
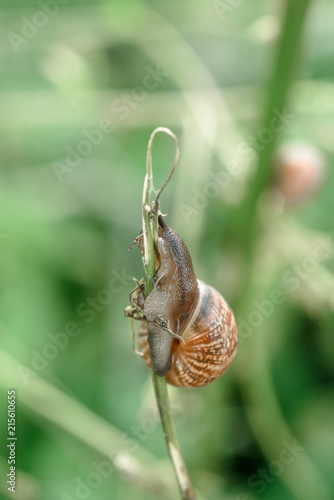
<point x="44" y="401"/>
<point x="150" y="233"/>
<point x="148" y="259"/>
<point x="248" y="226"/>
<point x="283" y="71"/>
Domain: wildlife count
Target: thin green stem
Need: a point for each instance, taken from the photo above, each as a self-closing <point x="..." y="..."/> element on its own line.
<point x="249" y="228"/>
<point x="284" y="70"/>
<point x="38" y="397"/>
<point x="148" y="259"/>
<point x="150" y="212"/>
<point x="276" y="112"/>
<point x="161" y="394"/>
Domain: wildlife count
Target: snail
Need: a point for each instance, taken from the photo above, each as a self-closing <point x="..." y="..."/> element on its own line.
<point x="185" y="325"/>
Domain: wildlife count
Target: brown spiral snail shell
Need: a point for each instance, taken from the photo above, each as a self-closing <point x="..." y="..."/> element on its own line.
<point x="187" y="327"/>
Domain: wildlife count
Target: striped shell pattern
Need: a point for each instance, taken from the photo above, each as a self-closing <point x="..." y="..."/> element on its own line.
<point x="210" y="342"/>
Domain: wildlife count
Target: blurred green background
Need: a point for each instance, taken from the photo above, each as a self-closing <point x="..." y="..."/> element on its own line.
<point x="83" y="84"/>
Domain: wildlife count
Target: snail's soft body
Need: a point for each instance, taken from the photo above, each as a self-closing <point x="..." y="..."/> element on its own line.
<point x="189" y="308"/>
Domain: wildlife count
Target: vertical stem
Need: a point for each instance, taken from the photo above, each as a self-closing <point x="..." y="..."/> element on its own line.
<point x="287" y="54"/>
<point x="161" y="394"/>
<point x="148" y="259"/>
<point x="248" y="228"/>
<point x="284" y="68"/>
<point x="150" y="230"/>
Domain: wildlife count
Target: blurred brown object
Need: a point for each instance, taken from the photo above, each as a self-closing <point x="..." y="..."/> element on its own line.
<point x="300" y="171"/>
